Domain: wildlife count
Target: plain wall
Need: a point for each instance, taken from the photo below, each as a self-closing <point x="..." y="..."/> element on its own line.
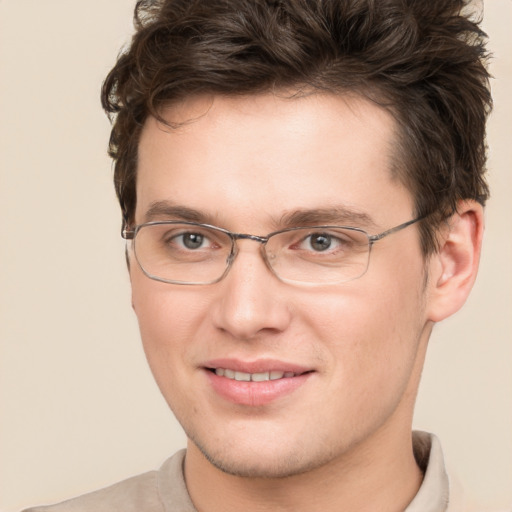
<point x="79" y="409"/>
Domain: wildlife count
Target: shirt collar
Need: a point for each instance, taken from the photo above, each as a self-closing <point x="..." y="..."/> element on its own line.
<point x="433" y="495"/>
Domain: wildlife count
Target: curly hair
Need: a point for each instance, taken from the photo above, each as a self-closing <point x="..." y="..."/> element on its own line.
<point x="423" y="61"/>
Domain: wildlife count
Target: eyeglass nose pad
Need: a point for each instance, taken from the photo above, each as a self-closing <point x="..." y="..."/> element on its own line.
<point x="267" y="257"/>
<point x="232" y="254"/>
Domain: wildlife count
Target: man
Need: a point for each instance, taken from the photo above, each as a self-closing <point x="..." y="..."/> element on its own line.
<point x="301" y="184"/>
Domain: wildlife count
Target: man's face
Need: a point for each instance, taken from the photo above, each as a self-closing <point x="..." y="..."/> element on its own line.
<point x="355" y="349"/>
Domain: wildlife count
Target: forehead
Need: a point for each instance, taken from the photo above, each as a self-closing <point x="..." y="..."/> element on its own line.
<point x="251" y="155"/>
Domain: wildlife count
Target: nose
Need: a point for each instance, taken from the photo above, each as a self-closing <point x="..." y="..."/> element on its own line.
<point x="251" y="301"/>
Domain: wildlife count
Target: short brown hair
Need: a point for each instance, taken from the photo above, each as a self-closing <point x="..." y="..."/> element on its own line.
<point x="422" y="60"/>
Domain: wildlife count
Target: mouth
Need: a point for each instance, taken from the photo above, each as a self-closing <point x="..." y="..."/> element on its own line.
<point x="254" y="377"/>
<point x="255" y="384"/>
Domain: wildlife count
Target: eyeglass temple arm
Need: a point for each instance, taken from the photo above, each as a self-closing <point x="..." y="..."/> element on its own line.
<point x="375" y="238"/>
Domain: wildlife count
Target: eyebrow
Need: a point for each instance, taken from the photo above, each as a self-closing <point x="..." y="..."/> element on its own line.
<point x="167" y="210"/>
<point x="333" y="215"/>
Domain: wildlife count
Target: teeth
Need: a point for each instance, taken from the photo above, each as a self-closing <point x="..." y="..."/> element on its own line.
<point x="254" y="377"/>
<point x="260" y="377"/>
<point x="230" y="374"/>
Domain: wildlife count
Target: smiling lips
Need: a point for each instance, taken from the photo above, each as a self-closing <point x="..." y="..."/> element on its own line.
<point x="253" y="377"/>
<point x="255" y="384"/>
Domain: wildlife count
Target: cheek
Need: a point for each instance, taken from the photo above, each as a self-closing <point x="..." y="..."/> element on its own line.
<point x="371" y="332"/>
<point x="167" y="318"/>
<point x="370" y="345"/>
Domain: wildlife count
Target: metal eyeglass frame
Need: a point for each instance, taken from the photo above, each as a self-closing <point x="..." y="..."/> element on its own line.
<point x="130" y="234"/>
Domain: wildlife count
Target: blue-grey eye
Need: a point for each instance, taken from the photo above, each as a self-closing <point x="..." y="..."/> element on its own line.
<point x="320" y="241"/>
<point x="192" y="240"/>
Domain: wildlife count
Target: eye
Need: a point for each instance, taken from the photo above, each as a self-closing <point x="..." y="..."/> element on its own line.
<point x="191" y="240"/>
<point x="182" y="238"/>
<point x="320" y="241"/>
<point x="335" y="242"/>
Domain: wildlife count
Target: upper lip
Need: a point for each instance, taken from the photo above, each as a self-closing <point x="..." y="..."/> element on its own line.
<point x="257" y="366"/>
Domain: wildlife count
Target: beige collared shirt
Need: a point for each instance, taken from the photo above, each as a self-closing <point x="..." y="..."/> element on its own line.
<point x="434" y="494"/>
<point x="165" y="490"/>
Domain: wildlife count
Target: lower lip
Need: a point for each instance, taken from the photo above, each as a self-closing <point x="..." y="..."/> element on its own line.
<point x="255" y="393"/>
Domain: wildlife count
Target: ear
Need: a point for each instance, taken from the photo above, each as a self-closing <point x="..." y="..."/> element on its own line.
<point x="453" y="269"/>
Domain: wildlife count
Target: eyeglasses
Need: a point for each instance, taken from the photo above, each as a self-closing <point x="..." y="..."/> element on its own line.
<point x="190" y="253"/>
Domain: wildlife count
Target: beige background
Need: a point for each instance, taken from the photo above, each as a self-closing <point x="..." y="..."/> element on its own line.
<point x="79" y="408"/>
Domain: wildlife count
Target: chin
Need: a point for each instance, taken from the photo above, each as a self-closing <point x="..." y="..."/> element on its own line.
<point x="255" y="462"/>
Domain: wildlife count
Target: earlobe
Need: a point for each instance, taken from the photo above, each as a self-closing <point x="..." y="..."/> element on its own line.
<point x="455" y="266"/>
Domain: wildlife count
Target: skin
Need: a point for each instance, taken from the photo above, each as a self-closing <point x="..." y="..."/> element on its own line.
<point x="342" y="439"/>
